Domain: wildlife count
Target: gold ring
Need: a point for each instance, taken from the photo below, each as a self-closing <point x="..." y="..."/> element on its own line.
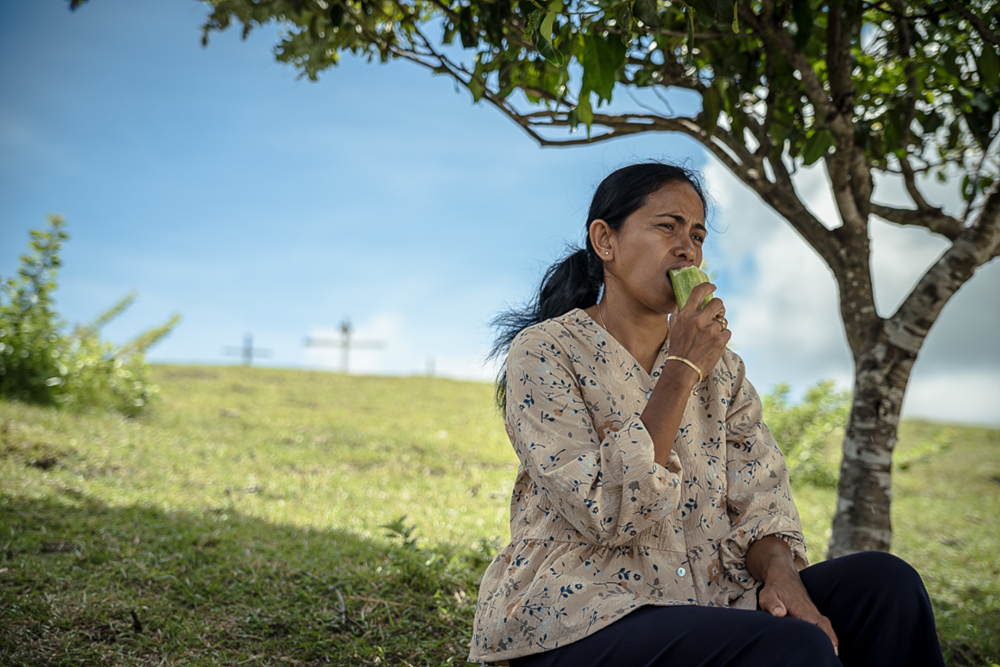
<point x="724" y="322"/>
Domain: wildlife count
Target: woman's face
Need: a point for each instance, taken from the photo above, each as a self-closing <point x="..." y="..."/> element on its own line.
<point x="667" y="232"/>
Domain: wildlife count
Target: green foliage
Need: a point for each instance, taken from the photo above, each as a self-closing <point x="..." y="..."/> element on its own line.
<point x="918" y="80"/>
<point x="30" y="345"/>
<point x="41" y="364"/>
<point x="807" y="432"/>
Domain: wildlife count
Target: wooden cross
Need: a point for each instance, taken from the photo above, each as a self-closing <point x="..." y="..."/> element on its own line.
<point x="345" y="344"/>
<point x="247" y="351"/>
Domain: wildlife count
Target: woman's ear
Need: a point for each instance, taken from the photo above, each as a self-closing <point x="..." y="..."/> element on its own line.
<point x="601" y="239"/>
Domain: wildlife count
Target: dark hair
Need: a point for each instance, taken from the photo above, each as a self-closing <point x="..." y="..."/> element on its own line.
<point x="576" y="280"/>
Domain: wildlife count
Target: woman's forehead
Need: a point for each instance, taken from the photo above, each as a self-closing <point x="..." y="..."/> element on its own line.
<point x="676" y="199"/>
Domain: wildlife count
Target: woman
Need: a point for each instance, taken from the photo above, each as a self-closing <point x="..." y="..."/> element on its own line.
<point x="651" y="519"/>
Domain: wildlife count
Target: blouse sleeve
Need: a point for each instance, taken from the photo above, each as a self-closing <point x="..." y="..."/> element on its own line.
<point x="600" y="478"/>
<point x="759" y="499"/>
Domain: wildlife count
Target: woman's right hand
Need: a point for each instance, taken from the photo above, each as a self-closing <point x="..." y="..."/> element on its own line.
<point x="697" y="337"/>
<point x="700" y="335"/>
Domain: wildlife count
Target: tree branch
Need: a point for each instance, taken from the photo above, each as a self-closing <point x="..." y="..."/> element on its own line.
<point x="771" y="34"/>
<point x="911" y="185"/>
<point x="850" y="174"/>
<point x="932" y="219"/>
<point x="838" y="62"/>
<point x="976" y="245"/>
<point x="764" y="138"/>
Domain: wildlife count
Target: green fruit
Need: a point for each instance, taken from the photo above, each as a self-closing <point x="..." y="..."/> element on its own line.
<point x="686" y="279"/>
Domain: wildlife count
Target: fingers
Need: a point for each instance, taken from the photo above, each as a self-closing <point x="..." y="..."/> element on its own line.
<point x="698" y="295"/>
<point x="827" y="627"/>
<point x="713" y="312"/>
<point x="823" y="623"/>
<point x="771" y="603"/>
<point x="696" y="333"/>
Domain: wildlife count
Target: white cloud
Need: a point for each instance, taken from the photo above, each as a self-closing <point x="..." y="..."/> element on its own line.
<point x="782" y="302"/>
<point x="900" y="256"/>
<point x="781" y="299"/>
<point x="813" y="187"/>
<point x="790" y="316"/>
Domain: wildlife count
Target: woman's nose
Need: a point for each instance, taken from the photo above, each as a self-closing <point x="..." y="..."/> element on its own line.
<point x="685" y="249"/>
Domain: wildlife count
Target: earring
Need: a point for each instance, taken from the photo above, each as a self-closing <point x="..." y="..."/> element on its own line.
<point x="605" y="252"/>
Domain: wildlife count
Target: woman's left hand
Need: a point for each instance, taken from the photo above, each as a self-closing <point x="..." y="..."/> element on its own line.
<point x="783" y="593"/>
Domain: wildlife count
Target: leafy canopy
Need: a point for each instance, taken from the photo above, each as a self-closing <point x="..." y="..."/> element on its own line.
<point x="911" y="81"/>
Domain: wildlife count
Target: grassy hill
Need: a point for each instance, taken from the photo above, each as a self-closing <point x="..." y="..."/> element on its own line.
<point x="243" y="521"/>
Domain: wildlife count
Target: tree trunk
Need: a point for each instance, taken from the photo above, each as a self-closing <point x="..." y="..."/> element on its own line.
<point x="884" y="353"/>
<point x="862" y="521"/>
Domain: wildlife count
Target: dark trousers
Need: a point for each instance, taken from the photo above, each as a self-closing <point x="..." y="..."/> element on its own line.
<point x="876" y="603"/>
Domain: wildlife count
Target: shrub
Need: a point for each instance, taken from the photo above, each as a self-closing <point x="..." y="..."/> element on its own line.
<point x="806" y="432"/>
<point x="39" y="363"/>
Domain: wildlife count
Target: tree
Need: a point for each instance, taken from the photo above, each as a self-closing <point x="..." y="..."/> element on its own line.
<point x="893" y="87"/>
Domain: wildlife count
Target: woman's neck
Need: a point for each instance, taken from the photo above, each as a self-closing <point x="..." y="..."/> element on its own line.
<point x="639" y="331"/>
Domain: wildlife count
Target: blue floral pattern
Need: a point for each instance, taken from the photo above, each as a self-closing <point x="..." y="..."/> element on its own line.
<point x="598" y="528"/>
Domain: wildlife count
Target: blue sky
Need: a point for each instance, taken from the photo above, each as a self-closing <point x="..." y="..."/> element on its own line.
<point x="218" y="185"/>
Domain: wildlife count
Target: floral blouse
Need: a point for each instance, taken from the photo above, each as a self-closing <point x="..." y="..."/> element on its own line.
<point x="599" y="529"/>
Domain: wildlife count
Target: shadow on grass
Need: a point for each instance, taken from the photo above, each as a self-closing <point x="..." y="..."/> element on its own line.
<point x="83" y="582"/>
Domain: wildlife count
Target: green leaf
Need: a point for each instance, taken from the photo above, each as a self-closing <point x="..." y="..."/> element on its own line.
<point x="476" y="88"/>
<point x="625" y="22"/>
<point x="466" y="28"/>
<point x="548" y="51"/>
<point x="711" y="102"/>
<point x="603" y="59"/>
<point x="546" y="28"/>
<point x="989" y="66"/>
<point x="544" y="40"/>
<point x="646" y="11"/>
<point x="689" y="13"/>
<point x="531" y="26"/>
<point x="890" y="129"/>
<point x="802" y="13"/>
<point x="816" y="146"/>
<point x="645" y="77"/>
<point x="585" y="112"/>
<point x="930" y="122"/>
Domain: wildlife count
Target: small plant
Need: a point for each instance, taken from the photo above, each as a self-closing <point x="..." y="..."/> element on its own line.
<point x="805" y="431"/>
<point x="41" y="364"/>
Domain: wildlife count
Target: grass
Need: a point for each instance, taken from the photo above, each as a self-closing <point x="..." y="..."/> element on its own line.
<point x="243" y="522"/>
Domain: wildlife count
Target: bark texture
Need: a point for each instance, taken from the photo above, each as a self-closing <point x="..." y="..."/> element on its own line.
<point x="862" y="521"/>
<point x="884" y="358"/>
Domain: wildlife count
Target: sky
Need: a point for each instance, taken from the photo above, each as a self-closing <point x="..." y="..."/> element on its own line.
<point x="219" y="185"/>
